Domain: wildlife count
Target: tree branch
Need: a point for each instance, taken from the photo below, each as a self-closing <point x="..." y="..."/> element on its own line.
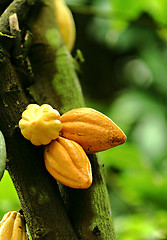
<point x="53" y="68"/>
<point x="52" y="64"/>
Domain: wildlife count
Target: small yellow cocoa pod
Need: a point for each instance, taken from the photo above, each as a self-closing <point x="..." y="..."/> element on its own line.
<point x="91" y="129"/>
<point x="67" y="162"/>
<point x="65" y="22"/>
<point x="12" y="227"/>
<point x="40" y="124"/>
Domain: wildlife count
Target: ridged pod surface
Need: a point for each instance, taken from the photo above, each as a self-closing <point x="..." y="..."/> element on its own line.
<point x="65" y="22"/>
<point x="40" y="124"/>
<point x="91" y="129"/>
<point x="12" y="227"/>
<point x="67" y="162"/>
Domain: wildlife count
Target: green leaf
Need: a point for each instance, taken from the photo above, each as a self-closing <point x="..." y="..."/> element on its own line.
<point x="2" y="155"/>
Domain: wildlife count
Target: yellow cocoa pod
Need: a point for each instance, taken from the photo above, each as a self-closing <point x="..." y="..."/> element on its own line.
<point x="67" y="162"/>
<point x="40" y="124"/>
<point x="91" y="129"/>
<point x="12" y="227"/>
<point x="65" y="22"/>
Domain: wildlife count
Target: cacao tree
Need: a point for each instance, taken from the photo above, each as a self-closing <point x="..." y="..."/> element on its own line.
<point x="37" y="67"/>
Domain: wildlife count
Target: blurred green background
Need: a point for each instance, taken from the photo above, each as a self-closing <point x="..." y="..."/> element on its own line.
<point x="124" y="44"/>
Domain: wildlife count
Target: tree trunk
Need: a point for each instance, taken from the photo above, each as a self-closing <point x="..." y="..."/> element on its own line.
<point x="51" y="210"/>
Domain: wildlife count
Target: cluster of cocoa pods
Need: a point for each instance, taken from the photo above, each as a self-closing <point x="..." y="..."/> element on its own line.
<point x="69" y="139"/>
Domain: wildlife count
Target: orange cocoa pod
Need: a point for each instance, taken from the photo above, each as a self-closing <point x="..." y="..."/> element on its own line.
<point x="91" y="129"/>
<point x="67" y="162"/>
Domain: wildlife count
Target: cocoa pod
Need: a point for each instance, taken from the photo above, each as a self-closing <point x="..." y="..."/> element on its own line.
<point x="12" y="227"/>
<point x="65" y="22"/>
<point x="91" y="129"/>
<point x="67" y="162"/>
<point x="40" y="124"/>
